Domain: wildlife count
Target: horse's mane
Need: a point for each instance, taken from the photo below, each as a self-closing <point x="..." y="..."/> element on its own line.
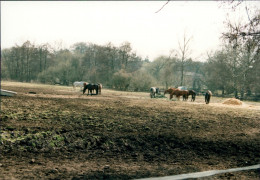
<point x="209" y="92"/>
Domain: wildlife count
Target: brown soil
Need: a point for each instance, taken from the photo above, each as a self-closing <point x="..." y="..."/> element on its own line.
<point x="58" y="133"/>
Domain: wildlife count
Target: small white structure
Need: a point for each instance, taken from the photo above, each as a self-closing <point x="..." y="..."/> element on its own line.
<point x="182" y="88"/>
<point x="7" y="93"/>
<point x="79" y="84"/>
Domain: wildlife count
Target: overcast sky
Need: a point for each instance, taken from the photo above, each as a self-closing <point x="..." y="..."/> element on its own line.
<point x="150" y="34"/>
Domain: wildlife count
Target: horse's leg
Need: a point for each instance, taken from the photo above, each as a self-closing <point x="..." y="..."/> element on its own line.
<point x="84" y="90"/>
<point x="207" y="98"/>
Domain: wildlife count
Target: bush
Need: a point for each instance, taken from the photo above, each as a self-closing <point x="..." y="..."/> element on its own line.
<point x="141" y="81"/>
<point x="121" y="80"/>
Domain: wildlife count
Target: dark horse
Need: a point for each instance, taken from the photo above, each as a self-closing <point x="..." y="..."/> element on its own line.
<point x="193" y="95"/>
<point x="90" y="88"/>
<point x="207" y="96"/>
<point x="184" y="94"/>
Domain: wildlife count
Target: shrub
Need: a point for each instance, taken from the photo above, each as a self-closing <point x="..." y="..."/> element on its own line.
<point x="121" y="80"/>
<point x="141" y="81"/>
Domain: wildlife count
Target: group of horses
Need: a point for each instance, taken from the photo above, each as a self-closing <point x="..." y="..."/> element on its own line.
<point x="178" y="93"/>
<point x="88" y="86"/>
<point x="153" y="91"/>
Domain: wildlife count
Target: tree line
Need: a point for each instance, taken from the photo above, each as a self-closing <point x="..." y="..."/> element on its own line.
<point x="231" y="70"/>
<point x="82" y="62"/>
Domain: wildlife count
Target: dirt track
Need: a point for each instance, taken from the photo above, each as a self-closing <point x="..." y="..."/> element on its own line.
<point x="60" y="133"/>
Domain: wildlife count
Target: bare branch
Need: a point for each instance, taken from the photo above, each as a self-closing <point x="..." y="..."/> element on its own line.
<point x="248" y="15"/>
<point x="163" y="6"/>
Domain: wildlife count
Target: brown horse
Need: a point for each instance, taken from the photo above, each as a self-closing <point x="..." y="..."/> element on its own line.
<point x="169" y="91"/>
<point x="178" y="93"/>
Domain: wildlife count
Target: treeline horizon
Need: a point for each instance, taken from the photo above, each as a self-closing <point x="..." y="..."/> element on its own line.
<point x="120" y="68"/>
<point x="232" y="70"/>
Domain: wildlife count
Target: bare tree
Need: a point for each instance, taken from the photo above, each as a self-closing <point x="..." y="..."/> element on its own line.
<point x="184" y="52"/>
<point x="125" y="50"/>
<point x="244" y="39"/>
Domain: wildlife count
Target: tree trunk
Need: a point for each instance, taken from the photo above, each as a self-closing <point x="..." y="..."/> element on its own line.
<point x="182" y="70"/>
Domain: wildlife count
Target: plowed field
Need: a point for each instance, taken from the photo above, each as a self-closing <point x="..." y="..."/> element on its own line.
<point x="59" y="133"/>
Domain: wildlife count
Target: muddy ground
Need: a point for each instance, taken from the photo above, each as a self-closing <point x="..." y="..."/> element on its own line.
<point x="58" y="133"/>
